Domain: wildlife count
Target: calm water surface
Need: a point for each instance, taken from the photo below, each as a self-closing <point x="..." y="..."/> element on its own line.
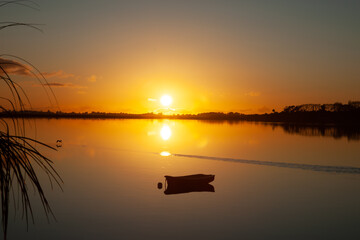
<point x="111" y="169"/>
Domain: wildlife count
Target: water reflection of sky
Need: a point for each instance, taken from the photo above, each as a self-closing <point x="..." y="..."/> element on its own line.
<point x="165" y="132"/>
<point x="165" y="154"/>
<point x="110" y="174"/>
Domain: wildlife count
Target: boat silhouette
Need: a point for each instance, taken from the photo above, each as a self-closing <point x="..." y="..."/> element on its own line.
<point x="189" y="183"/>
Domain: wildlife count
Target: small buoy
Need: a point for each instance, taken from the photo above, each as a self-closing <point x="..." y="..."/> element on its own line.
<point x="159" y="185"/>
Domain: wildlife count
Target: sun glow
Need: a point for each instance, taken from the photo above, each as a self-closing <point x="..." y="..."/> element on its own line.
<point x="166" y="100"/>
<point x="165" y="132"/>
<point x="165" y="154"/>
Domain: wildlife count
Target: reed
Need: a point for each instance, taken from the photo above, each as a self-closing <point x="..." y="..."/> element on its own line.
<point x="19" y="154"/>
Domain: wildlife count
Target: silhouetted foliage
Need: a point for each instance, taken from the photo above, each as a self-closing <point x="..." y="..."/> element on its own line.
<point x="18" y="155"/>
<point x="307" y="113"/>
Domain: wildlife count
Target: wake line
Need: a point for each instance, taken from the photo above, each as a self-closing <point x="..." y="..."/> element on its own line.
<point x="311" y="167"/>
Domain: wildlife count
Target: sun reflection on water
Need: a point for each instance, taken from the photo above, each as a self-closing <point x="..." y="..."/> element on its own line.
<point x="165" y="154"/>
<point x="165" y="132"/>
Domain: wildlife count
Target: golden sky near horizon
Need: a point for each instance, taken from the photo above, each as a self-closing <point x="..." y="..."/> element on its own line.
<point x="226" y="56"/>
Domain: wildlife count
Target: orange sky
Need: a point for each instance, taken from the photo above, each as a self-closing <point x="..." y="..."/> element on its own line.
<point x="209" y="56"/>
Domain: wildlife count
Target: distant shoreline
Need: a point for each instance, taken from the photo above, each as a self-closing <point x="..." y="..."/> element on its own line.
<point x="337" y="113"/>
<point x="313" y="117"/>
<point x="312" y="123"/>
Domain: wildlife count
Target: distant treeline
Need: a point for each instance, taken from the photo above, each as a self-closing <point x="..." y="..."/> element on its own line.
<point x="336" y="113"/>
<point x="335" y="107"/>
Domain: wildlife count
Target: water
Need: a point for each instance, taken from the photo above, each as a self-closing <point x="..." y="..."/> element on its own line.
<point x="271" y="181"/>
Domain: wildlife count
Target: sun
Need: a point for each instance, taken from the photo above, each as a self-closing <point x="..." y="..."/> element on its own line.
<point x="166" y="100"/>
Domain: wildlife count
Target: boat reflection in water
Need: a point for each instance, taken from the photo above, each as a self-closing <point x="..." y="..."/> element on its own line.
<point x="187" y="184"/>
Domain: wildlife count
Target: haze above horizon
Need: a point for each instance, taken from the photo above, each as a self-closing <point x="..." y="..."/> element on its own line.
<point x="241" y="56"/>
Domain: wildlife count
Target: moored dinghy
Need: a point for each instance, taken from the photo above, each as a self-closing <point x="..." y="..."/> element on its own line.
<point x="190" y="179"/>
<point x="187" y="188"/>
<point x="189" y="183"/>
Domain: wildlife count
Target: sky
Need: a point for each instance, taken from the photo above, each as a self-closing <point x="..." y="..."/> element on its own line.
<point x="208" y="55"/>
